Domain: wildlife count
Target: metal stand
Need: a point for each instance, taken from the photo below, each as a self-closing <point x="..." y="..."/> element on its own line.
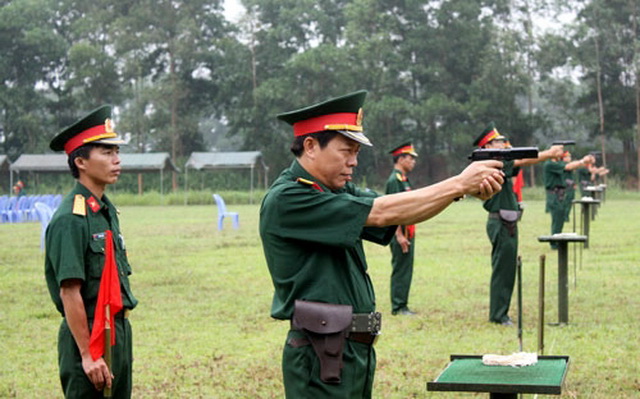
<point x="541" y="307"/>
<point x="563" y="241"/>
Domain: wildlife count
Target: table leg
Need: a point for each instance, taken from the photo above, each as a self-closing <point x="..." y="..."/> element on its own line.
<point x="563" y="283"/>
<point x="585" y="222"/>
<point x="494" y="395"/>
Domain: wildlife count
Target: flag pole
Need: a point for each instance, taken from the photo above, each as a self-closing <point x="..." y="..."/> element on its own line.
<point x="107" y="347"/>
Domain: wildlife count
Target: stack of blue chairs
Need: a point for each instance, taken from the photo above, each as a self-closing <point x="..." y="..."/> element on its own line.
<point x="23" y="209"/>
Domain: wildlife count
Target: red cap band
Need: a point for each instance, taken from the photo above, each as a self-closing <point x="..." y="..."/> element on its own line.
<point x="490" y="136"/>
<point x="320" y="123"/>
<point x="80" y="138"/>
<point x="403" y="150"/>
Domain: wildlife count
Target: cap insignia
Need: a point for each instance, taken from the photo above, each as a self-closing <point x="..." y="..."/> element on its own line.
<point x="108" y="126"/>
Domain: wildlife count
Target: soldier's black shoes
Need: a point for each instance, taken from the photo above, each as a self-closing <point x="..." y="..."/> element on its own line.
<point x="507" y="322"/>
<point x="403" y="312"/>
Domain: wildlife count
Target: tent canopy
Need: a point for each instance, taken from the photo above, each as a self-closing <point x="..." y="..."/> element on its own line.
<point x="135" y="163"/>
<point x="129" y="162"/>
<point x="221" y="160"/>
<point x="227" y="160"/>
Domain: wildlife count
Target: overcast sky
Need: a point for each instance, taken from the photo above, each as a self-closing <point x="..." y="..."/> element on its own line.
<point x="232" y="10"/>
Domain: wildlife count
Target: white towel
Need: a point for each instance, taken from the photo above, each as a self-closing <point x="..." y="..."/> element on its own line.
<point x="518" y="359"/>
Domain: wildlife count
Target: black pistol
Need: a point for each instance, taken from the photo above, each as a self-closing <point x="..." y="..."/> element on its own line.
<point x="504" y="154"/>
<point x="564" y="142"/>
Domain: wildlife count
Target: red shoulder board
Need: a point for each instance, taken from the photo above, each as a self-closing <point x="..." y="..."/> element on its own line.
<point x="309" y="183"/>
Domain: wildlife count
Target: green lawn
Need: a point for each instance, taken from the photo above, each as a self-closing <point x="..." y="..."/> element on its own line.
<point x="202" y="328"/>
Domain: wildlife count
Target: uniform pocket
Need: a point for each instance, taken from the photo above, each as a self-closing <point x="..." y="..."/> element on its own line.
<point x="96" y="258"/>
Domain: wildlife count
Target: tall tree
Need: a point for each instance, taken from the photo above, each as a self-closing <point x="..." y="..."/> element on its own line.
<point x="31" y="55"/>
<point x="171" y="51"/>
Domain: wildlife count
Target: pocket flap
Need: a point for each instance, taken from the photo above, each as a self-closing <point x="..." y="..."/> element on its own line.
<point x="321" y="318"/>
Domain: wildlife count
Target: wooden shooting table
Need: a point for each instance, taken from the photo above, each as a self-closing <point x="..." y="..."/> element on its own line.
<point x="563" y="240"/>
<point x="597" y="193"/>
<point x="467" y="373"/>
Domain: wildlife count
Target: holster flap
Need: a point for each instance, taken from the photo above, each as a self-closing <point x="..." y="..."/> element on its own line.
<point x="321" y="318"/>
<point x="509" y="216"/>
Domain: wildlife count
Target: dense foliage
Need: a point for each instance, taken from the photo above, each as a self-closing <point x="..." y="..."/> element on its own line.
<point x="183" y="78"/>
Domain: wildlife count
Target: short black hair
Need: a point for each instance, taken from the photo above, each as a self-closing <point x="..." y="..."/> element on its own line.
<point x="396" y="158"/>
<point x="323" y="137"/>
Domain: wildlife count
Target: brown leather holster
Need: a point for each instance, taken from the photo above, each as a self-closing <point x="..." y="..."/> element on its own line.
<point x="510" y="220"/>
<point x="326" y="326"/>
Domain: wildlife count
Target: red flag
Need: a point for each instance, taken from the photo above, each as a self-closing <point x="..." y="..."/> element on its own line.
<point x="109" y="295"/>
<point x="518" y="184"/>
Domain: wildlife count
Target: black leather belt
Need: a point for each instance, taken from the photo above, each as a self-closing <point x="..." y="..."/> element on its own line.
<point x="123" y="314"/>
<point x="364" y="338"/>
<point x="370" y="323"/>
<point x="365" y="328"/>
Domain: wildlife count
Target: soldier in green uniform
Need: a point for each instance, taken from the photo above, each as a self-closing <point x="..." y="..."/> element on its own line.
<point x="570" y="194"/>
<point x="502" y="226"/>
<point x="312" y="223"/>
<point x="403" y="242"/>
<point x="75" y="245"/>
<point x="555" y="182"/>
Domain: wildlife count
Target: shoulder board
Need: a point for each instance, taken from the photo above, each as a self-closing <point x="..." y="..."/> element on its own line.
<point x="79" y="207"/>
<point x="305" y="181"/>
<point x="309" y="183"/>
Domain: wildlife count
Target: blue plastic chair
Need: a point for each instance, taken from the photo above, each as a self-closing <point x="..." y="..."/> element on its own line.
<point x="222" y="213"/>
<point x="44" y="213"/>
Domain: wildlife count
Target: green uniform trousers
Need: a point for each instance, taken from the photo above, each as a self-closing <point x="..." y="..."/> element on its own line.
<point x="301" y="372"/>
<point x="75" y="382"/>
<point x="504" y="253"/>
<point x="401" y="275"/>
<point x="558" y="214"/>
<point x="568" y="204"/>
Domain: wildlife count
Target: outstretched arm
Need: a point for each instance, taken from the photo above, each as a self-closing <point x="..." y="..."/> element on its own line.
<point x="481" y="179"/>
<point x="555" y="151"/>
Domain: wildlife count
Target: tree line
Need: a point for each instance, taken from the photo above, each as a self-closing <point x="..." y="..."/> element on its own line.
<point x="182" y="78"/>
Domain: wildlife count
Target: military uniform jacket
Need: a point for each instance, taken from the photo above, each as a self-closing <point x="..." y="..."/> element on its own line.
<point x="398" y="182"/>
<point x="312" y="241"/>
<point x="505" y="199"/>
<point x="75" y="248"/>
<point x="584" y="177"/>
<point x="554" y="175"/>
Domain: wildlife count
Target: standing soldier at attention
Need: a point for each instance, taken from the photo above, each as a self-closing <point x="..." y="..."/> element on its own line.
<point x="402" y="244"/>
<point x="502" y="226"/>
<point x="75" y="258"/>
<point x="556" y="184"/>
<point x="312" y="223"/>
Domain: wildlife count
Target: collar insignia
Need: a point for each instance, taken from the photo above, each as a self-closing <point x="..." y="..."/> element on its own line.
<point x="93" y="204"/>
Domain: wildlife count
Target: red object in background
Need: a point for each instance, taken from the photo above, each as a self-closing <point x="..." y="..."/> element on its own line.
<point x="518" y="184"/>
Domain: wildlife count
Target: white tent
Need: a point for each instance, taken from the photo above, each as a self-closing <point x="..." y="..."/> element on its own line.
<point x="57" y="163"/>
<point x="227" y="160"/>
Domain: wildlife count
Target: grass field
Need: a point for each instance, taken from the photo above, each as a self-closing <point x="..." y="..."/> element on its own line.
<point x="202" y="328"/>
